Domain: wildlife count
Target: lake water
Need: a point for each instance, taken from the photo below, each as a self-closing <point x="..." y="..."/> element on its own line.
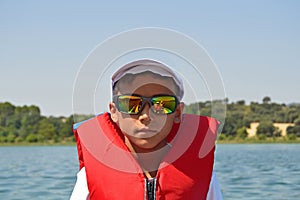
<point x="260" y="171"/>
<point x="244" y="172"/>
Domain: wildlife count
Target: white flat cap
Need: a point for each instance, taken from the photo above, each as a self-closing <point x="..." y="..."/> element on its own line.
<point x="153" y="66"/>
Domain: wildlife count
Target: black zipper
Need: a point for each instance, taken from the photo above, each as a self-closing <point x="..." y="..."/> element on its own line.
<point x="151" y="188"/>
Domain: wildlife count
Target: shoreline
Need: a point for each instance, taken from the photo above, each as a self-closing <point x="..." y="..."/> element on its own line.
<point x="254" y="140"/>
<point x="37" y="144"/>
<point x="224" y="141"/>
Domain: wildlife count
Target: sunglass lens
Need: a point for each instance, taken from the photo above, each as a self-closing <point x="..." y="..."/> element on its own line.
<point x="164" y="104"/>
<point x="129" y="104"/>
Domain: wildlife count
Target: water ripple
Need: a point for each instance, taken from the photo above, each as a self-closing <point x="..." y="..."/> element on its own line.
<point x="251" y="172"/>
<point x="258" y="172"/>
<point x="37" y="172"/>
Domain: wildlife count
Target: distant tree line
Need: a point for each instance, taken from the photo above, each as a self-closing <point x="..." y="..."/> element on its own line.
<point x="239" y="116"/>
<point x="26" y="124"/>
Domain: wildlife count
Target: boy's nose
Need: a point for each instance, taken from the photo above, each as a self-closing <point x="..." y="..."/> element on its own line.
<point x="144" y="116"/>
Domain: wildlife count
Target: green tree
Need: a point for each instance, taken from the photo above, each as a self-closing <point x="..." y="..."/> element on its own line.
<point x="242" y="133"/>
<point x="294" y="130"/>
<point x="28" y="117"/>
<point x="66" y="127"/>
<point x="11" y="137"/>
<point x="297" y="121"/>
<point x="266" y="100"/>
<point x="31" y="138"/>
<point x="292" y="114"/>
<point x="266" y="128"/>
<point x="6" y="111"/>
<point x="46" y="129"/>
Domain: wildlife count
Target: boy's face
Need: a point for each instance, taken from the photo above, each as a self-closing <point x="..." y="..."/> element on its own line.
<point x="146" y="130"/>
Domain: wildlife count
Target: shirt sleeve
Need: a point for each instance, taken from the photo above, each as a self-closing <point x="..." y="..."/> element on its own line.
<point x="80" y="191"/>
<point x="214" y="192"/>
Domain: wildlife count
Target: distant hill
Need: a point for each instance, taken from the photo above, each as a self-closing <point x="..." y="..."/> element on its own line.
<point x="26" y="124"/>
<point x="239" y="116"/>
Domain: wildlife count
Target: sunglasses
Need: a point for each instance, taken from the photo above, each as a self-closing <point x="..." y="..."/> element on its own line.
<point x="134" y="104"/>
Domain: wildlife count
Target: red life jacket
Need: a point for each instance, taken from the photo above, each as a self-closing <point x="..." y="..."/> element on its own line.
<point x="113" y="173"/>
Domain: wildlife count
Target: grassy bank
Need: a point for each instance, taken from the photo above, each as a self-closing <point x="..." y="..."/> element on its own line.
<point x="258" y="140"/>
<point x="221" y="140"/>
<point x="48" y="143"/>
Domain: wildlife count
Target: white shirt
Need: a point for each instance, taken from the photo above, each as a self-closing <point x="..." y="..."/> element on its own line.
<point x="81" y="191"/>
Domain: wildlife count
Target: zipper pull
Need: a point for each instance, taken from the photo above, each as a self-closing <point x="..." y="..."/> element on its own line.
<point x="151" y="188"/>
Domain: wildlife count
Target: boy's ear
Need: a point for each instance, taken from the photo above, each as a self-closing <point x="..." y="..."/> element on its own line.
<point x="113" y="112"/>
<point x="178" y="113"/>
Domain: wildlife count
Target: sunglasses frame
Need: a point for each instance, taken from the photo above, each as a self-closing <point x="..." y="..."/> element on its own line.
<point x="144" y="101"/>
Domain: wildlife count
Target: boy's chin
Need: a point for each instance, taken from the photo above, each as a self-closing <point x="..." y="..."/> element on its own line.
<point x="148" y="146"/>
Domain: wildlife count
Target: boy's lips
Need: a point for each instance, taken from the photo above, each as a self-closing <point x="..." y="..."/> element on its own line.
<point x="146" y="132"/>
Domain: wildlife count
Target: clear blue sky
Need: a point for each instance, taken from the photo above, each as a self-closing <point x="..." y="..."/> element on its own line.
<point x="255" y="44"/>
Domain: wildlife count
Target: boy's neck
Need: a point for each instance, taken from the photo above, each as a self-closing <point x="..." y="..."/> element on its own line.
<point x="149" y="159"/>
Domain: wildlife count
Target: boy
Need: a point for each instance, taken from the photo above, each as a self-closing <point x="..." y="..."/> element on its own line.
<point x="146" y="148"/>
